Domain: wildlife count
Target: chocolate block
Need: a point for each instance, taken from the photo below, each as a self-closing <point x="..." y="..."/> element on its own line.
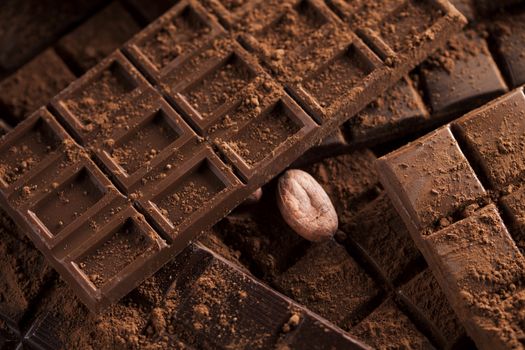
<point x="492" y="273"/>
<point x="89" y="104"/>
<point x="508" y="33"/>
<point x="424" y="292"/>
<point x="34" y="141"/>
<point x="499" y="155"/>
<point x="328" y="281"/>
<point x="376" y="223"/>
<point x="33" y="85"/>
<point x="464" y="76"/>
<point x="429" y="192"/>
<point x="348" y="179"/>
<point x="243" y="128"/>
<point x="27" y="27"/>
<point x="171" y="39"/>
<point x="398" y="110"/>
<point x="387" y="326"/>
<point x="97" y="37"/>
<point x="246" y="313"/>
<point x="283" y="34"/>
<point x="475" y="259"/>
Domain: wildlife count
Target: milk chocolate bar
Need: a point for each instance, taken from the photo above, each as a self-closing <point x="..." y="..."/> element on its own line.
<point x="133" y="168"/>
<point x="459" y="191"/>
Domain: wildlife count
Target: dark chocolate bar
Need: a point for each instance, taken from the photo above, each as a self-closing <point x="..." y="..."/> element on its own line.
<point x="85" y="46"/>
<point x="459" y="191"/>
<point x="476" y="66"/>
<point x="255" y="314"/>
<point x="33" y="85"/>
<point x="158" y="164"/>
<point x="27" y="27"/>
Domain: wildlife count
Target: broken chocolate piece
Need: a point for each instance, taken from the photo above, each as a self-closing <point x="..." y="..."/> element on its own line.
<point x="33" y="85"/>
<point x="465" y="240"/>
<point x="509" y="32"/>
<point x="85" y="46"/>
<point x="462" y="77"/>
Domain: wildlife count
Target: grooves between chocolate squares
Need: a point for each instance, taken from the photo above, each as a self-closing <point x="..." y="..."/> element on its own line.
<point x="460" y="192"/>
<point x="249" y="108"/>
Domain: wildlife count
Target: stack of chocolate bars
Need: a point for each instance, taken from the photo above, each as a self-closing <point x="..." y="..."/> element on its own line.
<point x="136" y="132"/>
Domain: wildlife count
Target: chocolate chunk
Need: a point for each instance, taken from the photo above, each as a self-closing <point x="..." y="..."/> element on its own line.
<point x="348" y="179"/>
<point x="499" y="154"/>
<point x="388" y="326"/>
<point x="33" y="85"/>
<point x="146" y="180"/>
<point x="376" y="223"/>
<point x="471" y="252"/>
<point x="178" y="34"/>
<point x="509" y="32"/>
<point x="329" y="281"/>
<point x="27" y="27"/>
<point x="86" y="46"/>
<point x="396" y="112"/>
<point x="482" y="272"/>
<point x="424" y="292"/>
<point x="431" y="178"/>
<point x="462" y="77"/>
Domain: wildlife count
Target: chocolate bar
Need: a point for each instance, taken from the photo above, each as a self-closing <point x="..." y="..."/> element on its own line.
<point x="155" y="165"/>
<point x="461" y="77"/>
<point x="84" y="47"/>
<point x="33" y="85"/>
<point x="27" y="27"/>
<point x="39" y="336"/>
<point x="459" y="191"/>
<point x="254" y="312"/>
<point x="209" y="304"/>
